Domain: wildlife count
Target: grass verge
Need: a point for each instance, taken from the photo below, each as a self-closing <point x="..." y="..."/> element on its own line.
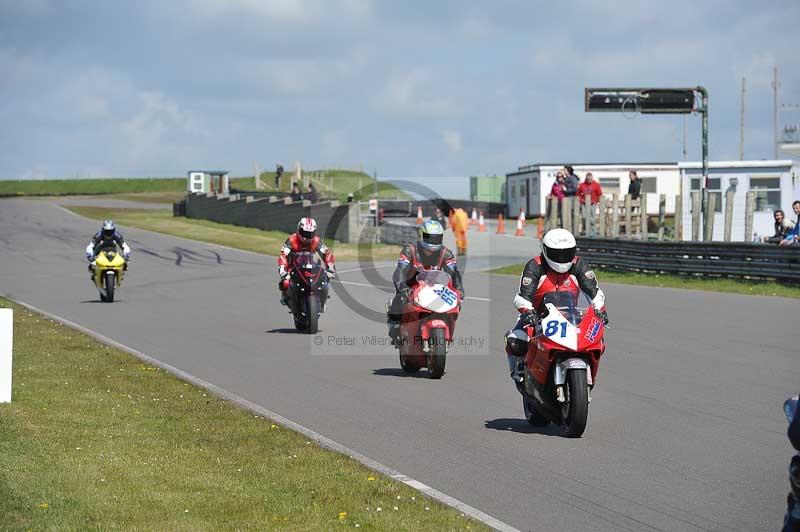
<point x="733" y="286"/>
<point x="95" y="439"/>
<point x="330" y="183"/>
<point x="246" y="238"/>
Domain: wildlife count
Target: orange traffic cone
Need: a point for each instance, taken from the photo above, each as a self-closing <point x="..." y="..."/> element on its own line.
<point x="420" y="220"/>
<point x="501" y="225"/>
<point x="520" y="224"/>
<point x="481" y="224"/>
<point x="540" y="228"/>
<point x="474" y="219"/>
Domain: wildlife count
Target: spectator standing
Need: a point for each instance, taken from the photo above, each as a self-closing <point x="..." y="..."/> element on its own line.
<point x="278" y="174"/>
<point x="783" y="226"/>
<point x="438" y="215"/>
<point x="557" y="191"/>
<point x="571" y="182"/>
<point x="635" y="186"/>
<point x="589" y="190"/>
<point x="793" y="238"/>
<point x="296" y="195"/>
<point x="312" y="195"/>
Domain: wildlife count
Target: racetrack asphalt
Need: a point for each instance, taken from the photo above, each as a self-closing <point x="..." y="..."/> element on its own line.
<point x="686" y="430"/>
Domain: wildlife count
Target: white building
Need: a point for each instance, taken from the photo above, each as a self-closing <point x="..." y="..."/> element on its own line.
<point x="776" y="183"/>
<point x="205" y="181"/>
<point x="529" y="187"/>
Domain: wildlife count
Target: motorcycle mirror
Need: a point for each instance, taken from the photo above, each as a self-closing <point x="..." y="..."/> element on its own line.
<point x="790" y="408"/>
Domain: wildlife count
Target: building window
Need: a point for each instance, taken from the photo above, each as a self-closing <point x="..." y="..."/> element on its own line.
<point x="768" y="193"/>
<point x="610" y="185"/>
<point x="714" y="184"/>
<point x="649" y="185"/>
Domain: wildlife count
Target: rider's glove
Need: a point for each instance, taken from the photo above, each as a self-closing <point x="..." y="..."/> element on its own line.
<point x="404" y="290"/>
<point x="331" y="273"/>
<point x="530" y="318"/>
<point x="603" y="315"/>
<point x="126" y="256"/>
<point x="90" y="257"/>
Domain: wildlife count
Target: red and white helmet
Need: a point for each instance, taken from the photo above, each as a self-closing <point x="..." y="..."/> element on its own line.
<point x="307" y="229"/>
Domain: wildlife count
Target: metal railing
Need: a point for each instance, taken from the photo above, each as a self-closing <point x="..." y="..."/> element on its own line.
<point x="705" y="259"/>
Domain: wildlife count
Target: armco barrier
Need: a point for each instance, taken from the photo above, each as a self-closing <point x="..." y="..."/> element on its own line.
<point x="396" y="232"/>
<point x="712" y="259"/>
<point x="335" y="220"/>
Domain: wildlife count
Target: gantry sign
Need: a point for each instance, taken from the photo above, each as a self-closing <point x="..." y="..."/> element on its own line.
<point x="655" y="101"/>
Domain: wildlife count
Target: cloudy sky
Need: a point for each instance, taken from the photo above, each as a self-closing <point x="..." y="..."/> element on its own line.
<point x="433" y="88"/>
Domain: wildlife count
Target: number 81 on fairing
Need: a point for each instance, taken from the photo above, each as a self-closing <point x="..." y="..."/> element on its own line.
<point x="551" y="328"/>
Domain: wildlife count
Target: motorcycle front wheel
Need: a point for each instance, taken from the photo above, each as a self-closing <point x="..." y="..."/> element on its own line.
<point x="437" y="354"/>
<point x="312" y="314"/>
<point x="576" y="410"/>
<point x="110" y="281"/>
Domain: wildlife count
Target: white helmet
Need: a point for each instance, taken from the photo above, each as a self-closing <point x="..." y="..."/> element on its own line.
<point x="307" y="229"/>
<point x="558" y="248"/>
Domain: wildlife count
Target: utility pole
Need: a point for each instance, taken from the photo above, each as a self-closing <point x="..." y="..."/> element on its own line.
<point x="684" y="137"/>
<point x="775" y="86"/>
<point x="741" y="122"/>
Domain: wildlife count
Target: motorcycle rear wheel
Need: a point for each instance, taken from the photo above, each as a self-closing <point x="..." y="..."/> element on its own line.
<point x="437" y="354"/>
<point x="535" y="419"/>
<point x="407" y="366"/>
<point x="109" y="280"/>
<point x="577" y="410"/>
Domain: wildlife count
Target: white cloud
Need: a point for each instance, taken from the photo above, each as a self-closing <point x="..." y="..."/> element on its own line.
<point x="452" y="139"/>
<point x="414" y="95"/>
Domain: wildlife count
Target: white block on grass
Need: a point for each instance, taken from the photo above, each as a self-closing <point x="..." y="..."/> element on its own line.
<point x="6" y="337"/>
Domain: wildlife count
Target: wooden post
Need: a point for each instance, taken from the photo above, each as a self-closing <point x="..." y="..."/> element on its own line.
<point x="602" y="221"/>
<point x="662" y="212"/>
<point x="588" y="214"/>
<point x="615" y="215"/>
<point x="566" y="213"/>
<point x="552" y="220"/>
<point x="678" y="221"/>
<point x="643" y="215"/>
<point x="628" y="225"/>
<point x="712" y="207"/>
<point x="749" y="209"/>
<point x="695" y="215"/>
<point x="576" y="216"/>
<point x="728" y="215"/>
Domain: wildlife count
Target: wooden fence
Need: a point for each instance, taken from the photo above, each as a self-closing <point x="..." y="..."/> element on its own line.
<point x="625" y="217"/>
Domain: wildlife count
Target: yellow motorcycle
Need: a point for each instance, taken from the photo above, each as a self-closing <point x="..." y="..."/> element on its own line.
<point x="109" y="269"/>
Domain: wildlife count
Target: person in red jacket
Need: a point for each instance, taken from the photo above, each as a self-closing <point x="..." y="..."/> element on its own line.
<point x="304" y="239"/>
<point x="589" y="189"/>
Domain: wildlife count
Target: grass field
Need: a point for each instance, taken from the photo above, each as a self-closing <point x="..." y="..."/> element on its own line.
<point x="94" y="439"/>
<point x="734" y="286"/>
<point x="246" y="238"/>
<point x="167" y="190"/>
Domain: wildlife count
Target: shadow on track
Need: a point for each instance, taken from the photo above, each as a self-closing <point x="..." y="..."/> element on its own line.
<point x="284" y="330"/>
<point x="398" y="372"/>
<point x="521" y="426"/>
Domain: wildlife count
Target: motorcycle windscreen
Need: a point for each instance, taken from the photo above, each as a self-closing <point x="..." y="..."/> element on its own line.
<point x="306" y="261"/>
<point x="565" y="310"/>
<point x="433" y="277"/>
